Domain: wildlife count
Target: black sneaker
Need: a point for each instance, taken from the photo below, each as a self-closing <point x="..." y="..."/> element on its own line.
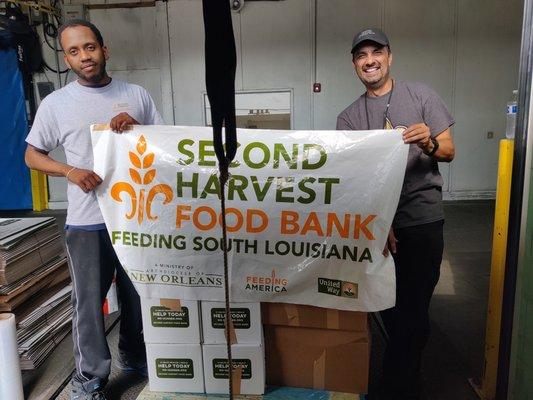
<point x="92" y="389"/>
<point x="130" y="364"/>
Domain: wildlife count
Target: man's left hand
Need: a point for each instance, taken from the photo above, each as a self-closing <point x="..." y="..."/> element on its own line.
<point x="419" y="134"/>
<point x="122" y="122"/>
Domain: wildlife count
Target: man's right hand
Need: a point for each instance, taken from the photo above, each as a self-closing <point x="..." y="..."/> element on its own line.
<point x="390" y="246"/>
<point x="85" y="179"/>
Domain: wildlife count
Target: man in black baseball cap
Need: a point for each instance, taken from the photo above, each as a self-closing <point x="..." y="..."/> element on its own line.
<point x="416" y="236"/>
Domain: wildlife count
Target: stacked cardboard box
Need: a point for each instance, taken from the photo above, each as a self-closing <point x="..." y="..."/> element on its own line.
<point x="248" y="355"/>
<point x="319" y="348"/>
<point x="34" y="285"/>
<point x="307" y="347"/>
<point x="174" y="355"/>
<point x="186" y="346"/>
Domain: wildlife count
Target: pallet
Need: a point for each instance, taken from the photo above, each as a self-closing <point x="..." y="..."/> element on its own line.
<point x="283" y="393"/>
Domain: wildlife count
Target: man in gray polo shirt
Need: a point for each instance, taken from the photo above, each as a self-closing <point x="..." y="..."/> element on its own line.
<point x="64" y="118"/>
<point x="416" y="235"/>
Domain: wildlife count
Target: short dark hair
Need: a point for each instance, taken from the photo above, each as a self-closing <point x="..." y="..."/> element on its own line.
<point x="81" y="22"/>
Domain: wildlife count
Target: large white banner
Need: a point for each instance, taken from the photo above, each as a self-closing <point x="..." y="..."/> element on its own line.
<point x="308" y="213"/>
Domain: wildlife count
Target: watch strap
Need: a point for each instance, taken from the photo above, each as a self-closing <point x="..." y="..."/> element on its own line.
<point x="435" y="148"/>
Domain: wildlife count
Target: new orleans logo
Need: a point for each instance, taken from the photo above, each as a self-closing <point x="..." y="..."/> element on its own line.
<point x="142" y="176"/>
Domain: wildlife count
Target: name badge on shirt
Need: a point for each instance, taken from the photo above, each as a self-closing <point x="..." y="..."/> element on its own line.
<point x="121" y="107"/>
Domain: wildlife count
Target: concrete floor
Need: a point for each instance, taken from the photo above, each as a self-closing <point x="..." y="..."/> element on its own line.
<point x="121" y="385"/>
<point x="459" y="306"/>
<point x="458" y="312"/>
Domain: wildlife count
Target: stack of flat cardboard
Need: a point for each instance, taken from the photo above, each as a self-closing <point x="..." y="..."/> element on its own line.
<point x="318" y="348"/>
<point x="25" y="245"/>
<point x="34" y="285"/>
<point x="22" y="296"/>
<point x="41" y="330"/>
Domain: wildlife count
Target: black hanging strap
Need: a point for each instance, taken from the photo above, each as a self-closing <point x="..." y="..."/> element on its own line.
<point x="220" y="66"/>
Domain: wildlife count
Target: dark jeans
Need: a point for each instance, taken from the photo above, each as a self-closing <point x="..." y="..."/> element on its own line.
<point x="92" y="263"/>
<point x="417" y="261"/>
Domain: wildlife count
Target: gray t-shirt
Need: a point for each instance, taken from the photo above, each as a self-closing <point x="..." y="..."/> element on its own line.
<point x="411" y="103"/>
<point x="64" y="118"/>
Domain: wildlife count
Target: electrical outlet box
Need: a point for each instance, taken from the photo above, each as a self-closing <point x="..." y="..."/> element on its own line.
<point x="73" y="11"/>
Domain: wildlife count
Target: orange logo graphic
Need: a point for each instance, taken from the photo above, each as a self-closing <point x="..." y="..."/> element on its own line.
<point x="141" y="162"/>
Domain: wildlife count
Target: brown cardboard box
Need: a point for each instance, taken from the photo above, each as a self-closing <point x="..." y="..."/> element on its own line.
<point x="313" y="317"/>
<point x="327" y="359"/>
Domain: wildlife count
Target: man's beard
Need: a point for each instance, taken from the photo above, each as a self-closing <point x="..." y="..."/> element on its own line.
<point x="378" y="83"/>
<point x="96" y="78"/>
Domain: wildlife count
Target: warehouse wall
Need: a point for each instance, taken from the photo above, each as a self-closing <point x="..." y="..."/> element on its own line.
<point x="467" y="50"/>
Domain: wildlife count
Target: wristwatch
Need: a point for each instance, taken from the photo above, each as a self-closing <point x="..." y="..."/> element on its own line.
<point x="435" y="148"/>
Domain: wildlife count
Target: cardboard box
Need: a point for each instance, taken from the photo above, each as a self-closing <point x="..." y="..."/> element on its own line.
<point x="251" y="359"/>
<point x="326" y="359"/>
<point x="175" y="368"/>
<point x="313" y="317"/>
<point x="170" y="321"/>
<point x="246" y="318"/>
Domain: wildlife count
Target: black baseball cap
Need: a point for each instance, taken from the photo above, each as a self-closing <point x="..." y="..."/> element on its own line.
<point x="370" y="34"/>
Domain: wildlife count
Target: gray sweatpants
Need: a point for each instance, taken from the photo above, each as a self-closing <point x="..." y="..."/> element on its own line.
<point x="92" y="264"/>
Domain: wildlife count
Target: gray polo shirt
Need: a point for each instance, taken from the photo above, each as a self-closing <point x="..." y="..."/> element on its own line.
<point x="411" y="103"/>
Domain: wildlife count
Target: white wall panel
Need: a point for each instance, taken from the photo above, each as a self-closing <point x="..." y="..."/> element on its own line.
<point x="337" y="22"/>
<point x="187" y="39"/>
<point x="187" y="57"/>
<point x="130" y="36"/>
<point x="488" y="48"/>
<point x="276" y="51"/>
<point x="422" y="42"/>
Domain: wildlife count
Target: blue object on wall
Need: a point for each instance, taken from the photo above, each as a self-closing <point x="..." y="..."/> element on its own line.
<point x="15" y="181"/>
